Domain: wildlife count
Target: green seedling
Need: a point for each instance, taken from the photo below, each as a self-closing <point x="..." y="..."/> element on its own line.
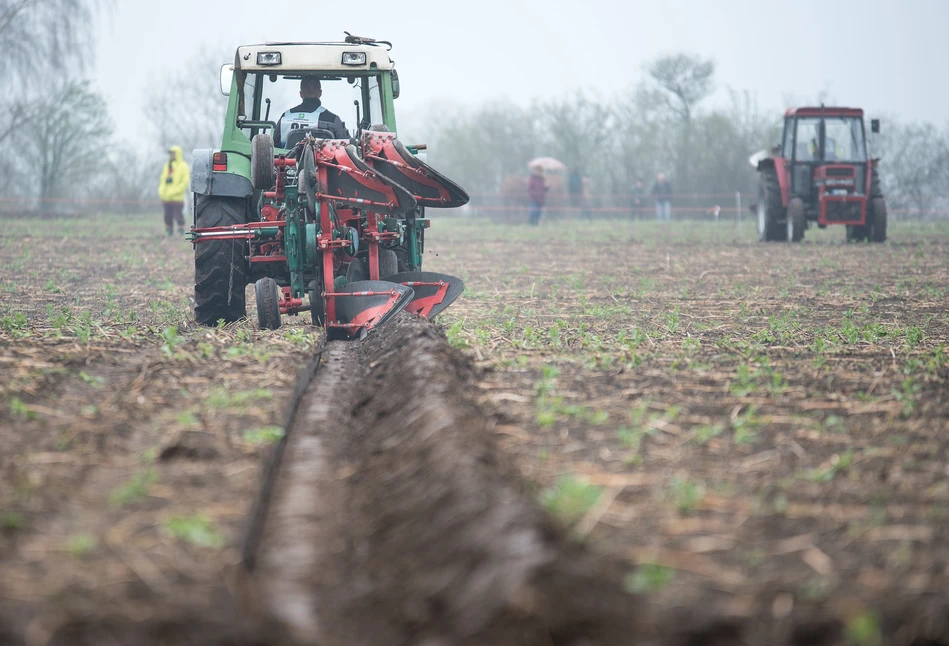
<point x="197" y="530"/>
<point x="648" y="578"/>
<point x="570" y="498"/>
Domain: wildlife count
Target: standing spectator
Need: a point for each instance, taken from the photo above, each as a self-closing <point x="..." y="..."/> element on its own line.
<point x="575" y="189"/>
<point x="638" y="193"/>
<point x="537" y="193"/>
<point x="175" y="178"/>
<point x="662" y="190"/>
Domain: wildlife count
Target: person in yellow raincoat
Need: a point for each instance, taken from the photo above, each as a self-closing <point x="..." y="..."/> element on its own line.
<point x="175" y="178"/>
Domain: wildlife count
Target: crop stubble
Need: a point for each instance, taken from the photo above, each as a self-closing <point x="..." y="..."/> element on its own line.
<point x="762" y="427"/>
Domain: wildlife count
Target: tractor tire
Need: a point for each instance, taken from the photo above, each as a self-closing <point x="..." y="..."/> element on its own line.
<point x="220" y="266"/>
<point x="263" y="176"/>
<point x="878" y="218"/>
<point x="314" y="292"/>
<point x="876" y="190"/>
<point x="388" y="263"/>
<point x="267" y="293"/>
<point x="770" y="208"/>
<point x="356" y="271"/>
<point x="796" y="222"/>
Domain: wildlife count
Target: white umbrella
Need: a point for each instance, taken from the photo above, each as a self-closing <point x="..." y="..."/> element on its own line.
<point x="547" y="163"/>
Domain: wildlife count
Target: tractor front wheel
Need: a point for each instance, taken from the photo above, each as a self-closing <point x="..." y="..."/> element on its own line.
<point x="770" y="207"/>
<point x="263" y="175"/>
<point x="219" y="265"/>
<point x="795" y="220"/>
<point x="877" y="220"/>
<point x="267" y="293"/>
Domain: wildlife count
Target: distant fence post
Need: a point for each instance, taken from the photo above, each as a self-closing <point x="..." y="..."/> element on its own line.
<point x="738" y="204"/>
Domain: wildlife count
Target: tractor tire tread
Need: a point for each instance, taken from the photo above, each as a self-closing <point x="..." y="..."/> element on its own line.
<point x="219" y="265"/>
<point x="266" y="292"/>
<point x="878" y="217"/>
<point x="770" y="193"/>
<point x="388" y="263"/>
<point x="263" y="176"/>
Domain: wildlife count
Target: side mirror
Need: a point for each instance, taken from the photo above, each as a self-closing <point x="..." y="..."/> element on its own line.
<point x="227" y="74"/>
<point x="395" y="84"/>
<point x="875" y="126"/>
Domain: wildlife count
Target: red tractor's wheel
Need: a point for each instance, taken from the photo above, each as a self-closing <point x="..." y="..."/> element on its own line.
<point x="877" y="220"/>
<point x="220" y="266"/>
<point x="770" y="208"/>
<point x="796" y="221"/>
<point x="268" y="303"/>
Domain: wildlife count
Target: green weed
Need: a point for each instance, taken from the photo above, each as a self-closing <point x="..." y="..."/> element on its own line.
<point x="570" y="498"/>
<point x="134" y="490"/>
<point x="648" y="577"/>
<point x="197" y="530"/>
<point x="264" y="435"/>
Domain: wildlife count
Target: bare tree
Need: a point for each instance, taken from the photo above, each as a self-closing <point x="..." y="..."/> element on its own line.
<point x="185" y="107"/>
<point x="684" y="81"/>
<point x="66" y="136"/>
<point x="38" y="37"/>
<point x="41" y="35"/>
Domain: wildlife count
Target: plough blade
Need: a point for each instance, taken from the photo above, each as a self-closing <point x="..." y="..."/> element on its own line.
<point x="391" y="158"/>
<point x="366" y="304"/>
<point x="432" y="292"/>
<point x="354" y="184"/>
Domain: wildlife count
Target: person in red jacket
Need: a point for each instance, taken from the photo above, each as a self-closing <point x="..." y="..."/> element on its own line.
<point x="537" y="194"/>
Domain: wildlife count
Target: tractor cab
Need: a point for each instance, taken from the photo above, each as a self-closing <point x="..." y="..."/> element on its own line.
<point x="821" y="173"/>
<point x="827" y="154"/>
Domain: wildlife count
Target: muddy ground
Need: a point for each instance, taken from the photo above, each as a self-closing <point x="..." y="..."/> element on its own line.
<point x="758" y="430"/>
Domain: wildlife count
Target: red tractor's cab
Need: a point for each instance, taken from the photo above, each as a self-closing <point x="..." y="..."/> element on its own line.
<point x="822" y="174"/>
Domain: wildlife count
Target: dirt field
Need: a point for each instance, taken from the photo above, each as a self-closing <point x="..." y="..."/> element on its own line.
<point x="760" y="431"/>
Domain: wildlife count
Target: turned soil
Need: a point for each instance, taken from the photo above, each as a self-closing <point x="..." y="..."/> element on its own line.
<point x="756" y="432"/>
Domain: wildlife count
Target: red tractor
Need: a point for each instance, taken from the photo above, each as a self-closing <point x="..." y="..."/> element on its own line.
<point x="820" y="173"/>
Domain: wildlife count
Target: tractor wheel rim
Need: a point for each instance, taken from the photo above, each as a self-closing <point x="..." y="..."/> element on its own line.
<point x="761" y="220"/>
<point x="790" y="228"/>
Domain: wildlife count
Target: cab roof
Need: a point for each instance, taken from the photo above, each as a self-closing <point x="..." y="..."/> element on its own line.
<point x="826" y="111"/>
<point x="313" y="56"/>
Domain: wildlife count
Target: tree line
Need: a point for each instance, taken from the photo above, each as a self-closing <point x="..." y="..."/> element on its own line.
<point x="666" y="123"/>
<point x="58" y="142"/>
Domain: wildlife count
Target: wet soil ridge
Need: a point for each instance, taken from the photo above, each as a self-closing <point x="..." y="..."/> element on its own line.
<point x="395" y="520"/>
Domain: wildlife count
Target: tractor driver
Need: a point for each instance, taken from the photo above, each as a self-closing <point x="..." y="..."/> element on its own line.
<point x="309" y="114"/>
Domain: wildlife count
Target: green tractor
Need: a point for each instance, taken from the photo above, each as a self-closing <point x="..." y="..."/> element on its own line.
<point x="320" y="217"/>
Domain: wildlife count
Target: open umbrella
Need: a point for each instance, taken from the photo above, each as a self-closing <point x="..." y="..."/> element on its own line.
<point x="547" y="163"/>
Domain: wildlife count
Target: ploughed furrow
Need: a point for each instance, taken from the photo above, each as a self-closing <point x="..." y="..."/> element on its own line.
<point x="391" y="517"/>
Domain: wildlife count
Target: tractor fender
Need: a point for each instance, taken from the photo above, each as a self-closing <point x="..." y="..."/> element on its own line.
<point x="201" y="171"/>
<point x="223" y="184"/>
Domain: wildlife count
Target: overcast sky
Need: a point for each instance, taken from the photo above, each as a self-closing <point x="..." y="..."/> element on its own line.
<point x="886" y="56"/>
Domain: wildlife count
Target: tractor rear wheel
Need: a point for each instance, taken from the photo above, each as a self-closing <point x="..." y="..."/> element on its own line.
<point x="770" y="208"/>
<point x="314" y="292"/>
<point x="796" y="222"/>
<point x="262" y="174"/>
<point x="877" y="220"/>
<point x="219" y="265"/>
<point x="388" y="263"/>
<point x="267" y="293"/>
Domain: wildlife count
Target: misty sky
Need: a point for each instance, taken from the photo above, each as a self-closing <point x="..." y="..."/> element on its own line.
<point x="886" y="56"/>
